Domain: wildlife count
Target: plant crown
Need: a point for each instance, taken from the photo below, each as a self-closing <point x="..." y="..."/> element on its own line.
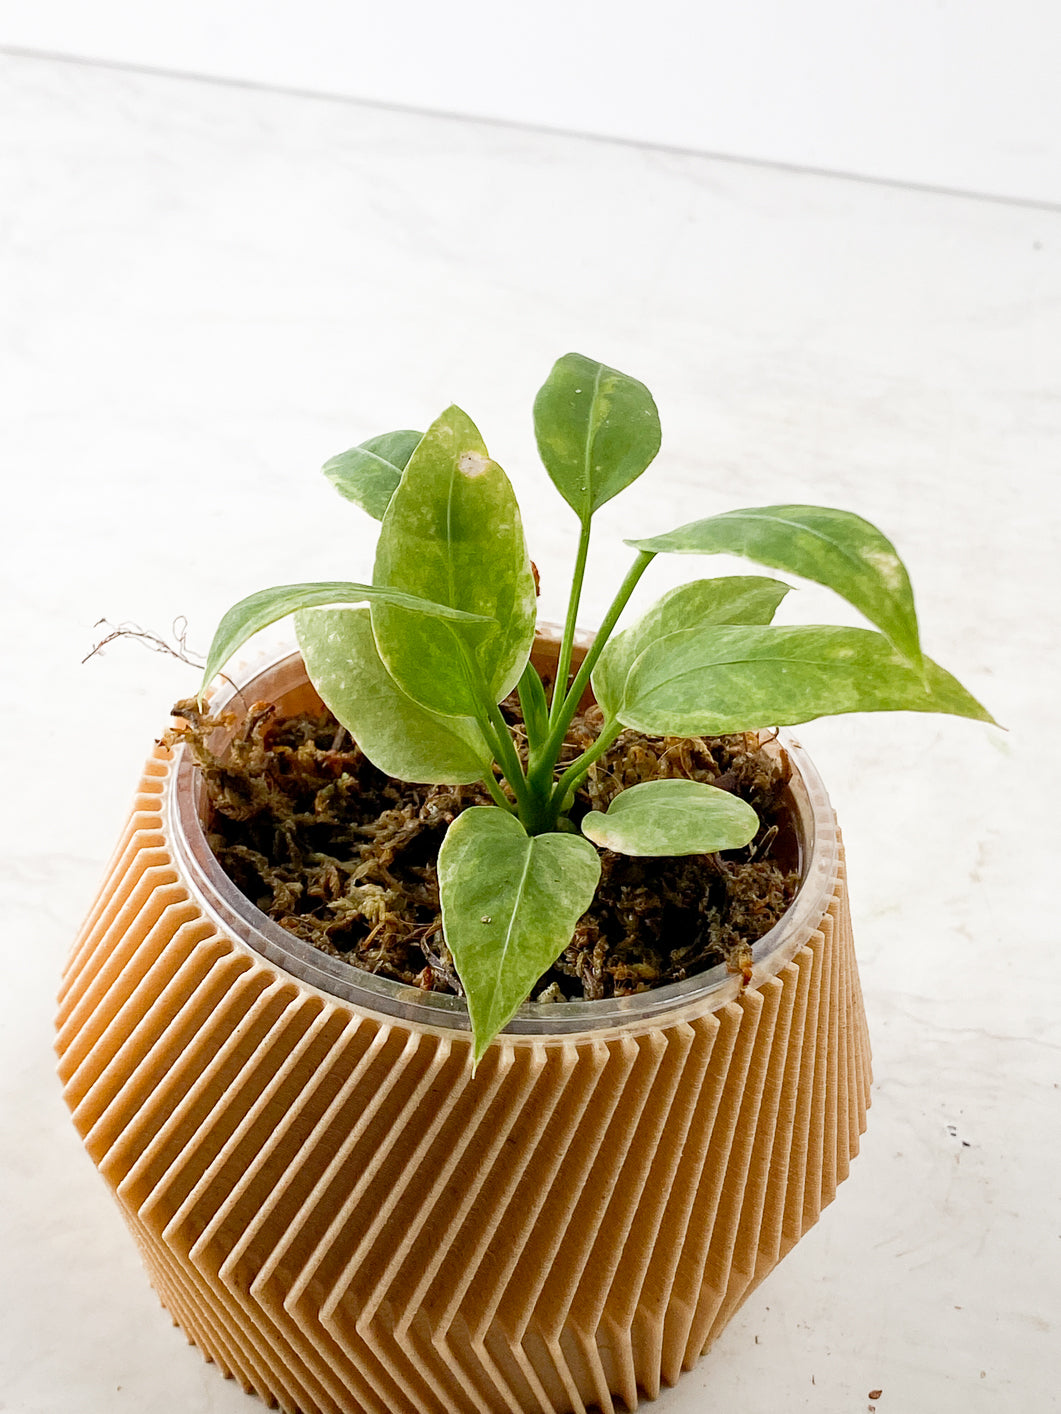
<point x="443" y="634"/>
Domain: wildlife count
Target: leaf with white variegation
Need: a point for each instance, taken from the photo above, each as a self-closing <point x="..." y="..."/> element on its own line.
<point x="368" y="474"/>
<point x="835" y="548"/>
<point x="597" y="430"/>
<point x="452" y="534"/>
<point x="268" y="606"/>
<point x="672" y="817"/>
<point x="737" y="678"/>
<point x="736" y="599"/>
<point x="396" y="734"/>
<point x="510" y="902"/>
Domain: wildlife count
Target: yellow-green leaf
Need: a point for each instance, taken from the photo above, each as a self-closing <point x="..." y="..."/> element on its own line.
<point x="731" y="679"/>
<point x="735" y="599"/>
<point x="597" y="431"/>
<point x="835" y="548"/>
<point x="368" y="474"/>
<point x="268" y="606"/>
<point x="453" y="534"/>
<point x="510" y="902"/>
<point x="672" y="817"/>
<point x="396" y="734"/>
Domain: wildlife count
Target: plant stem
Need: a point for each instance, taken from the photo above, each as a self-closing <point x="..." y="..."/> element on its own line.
<point x="563" y="665"/>
<point x="508" y="759"/>
<point x="551" y="750"/>
<point x="500" y="798"/>
<point x="495" y="729"/>
<point x="569" y="781"/>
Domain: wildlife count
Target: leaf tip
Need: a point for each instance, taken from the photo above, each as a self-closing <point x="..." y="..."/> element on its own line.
<point x="480" y="1045"/>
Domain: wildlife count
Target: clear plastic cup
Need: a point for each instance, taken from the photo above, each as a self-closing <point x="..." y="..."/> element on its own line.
<point x="282" y="680"/>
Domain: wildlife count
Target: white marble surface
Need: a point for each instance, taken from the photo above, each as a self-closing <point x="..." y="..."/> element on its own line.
<point x="207" y="291"/>
<point x="962" y="96"/>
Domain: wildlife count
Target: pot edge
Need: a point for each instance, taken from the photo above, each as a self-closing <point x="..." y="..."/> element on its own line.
<point x="698" y="995"/>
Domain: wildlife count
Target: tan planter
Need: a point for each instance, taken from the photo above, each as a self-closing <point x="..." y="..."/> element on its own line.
<point x="344" y="1220"/>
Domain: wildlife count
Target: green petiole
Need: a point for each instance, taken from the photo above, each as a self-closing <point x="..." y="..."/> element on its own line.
<point x="563" y="666"/>
<point x="569" y="705"/>
<point x="499" y="797"/>
<point x="572" y="777"/>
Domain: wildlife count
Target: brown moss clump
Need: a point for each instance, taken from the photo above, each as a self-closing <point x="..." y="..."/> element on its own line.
<point x="344" y="856"/>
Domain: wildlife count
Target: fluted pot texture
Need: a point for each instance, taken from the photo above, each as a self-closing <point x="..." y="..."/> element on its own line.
<point x="344" y="1219"/>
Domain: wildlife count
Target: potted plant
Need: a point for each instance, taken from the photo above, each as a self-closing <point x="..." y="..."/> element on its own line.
<point x="357" y="1196"/>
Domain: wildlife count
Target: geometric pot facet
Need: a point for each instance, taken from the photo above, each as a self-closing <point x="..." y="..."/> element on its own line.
<point x="344" y="1219"/>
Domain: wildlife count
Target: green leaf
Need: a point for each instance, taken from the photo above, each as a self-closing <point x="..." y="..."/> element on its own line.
<point x="597" y="431"/>
<point x="672" y="817"/>
<point x="510" y="902"/>
<point x="396" y="734"/>
<point x="534" y="704"/>
<point x="452" y="534"/>
<point x="266" y="606"/>
<point x="368" y="474"/>
<point x="834" y="548"/>
<point x="736" y="599"/>
<point x="729" y="679"/>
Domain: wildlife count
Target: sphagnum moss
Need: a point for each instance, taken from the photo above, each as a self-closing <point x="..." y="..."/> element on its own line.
<point x="345" y="857"/>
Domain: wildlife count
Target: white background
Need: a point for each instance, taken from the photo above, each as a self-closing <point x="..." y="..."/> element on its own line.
<point x="206" y="291"/>
<point x="951" y="93"/>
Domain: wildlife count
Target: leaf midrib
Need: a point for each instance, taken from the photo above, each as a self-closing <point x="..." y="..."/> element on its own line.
<point x="450" y="568"/>
<point x="592" y="425"/>
<point x="375" y="456"/>
<point x="509" y="931"/>
<point x="849" y="556"/>
<point x="800" y="660"/>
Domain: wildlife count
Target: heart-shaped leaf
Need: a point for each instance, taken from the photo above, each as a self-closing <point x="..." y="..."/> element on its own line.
<point x="267" y="606"/>
<point x="729" y="679"/>
<point x="597" y="431"/>
<point x="672" y="817"/>
<point x="368" y="474"/>
<point x="835" y="548"/>
<point x="452" y="534"/>
<point x="736" y="599"/>
<point x="510" y="902"/>
<point x="396" y="734"/>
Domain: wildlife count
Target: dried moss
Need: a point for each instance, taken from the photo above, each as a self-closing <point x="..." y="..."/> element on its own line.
<point x="344" y="856"/>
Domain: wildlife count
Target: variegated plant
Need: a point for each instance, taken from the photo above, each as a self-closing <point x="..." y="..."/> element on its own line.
<point x="443" y="634"/>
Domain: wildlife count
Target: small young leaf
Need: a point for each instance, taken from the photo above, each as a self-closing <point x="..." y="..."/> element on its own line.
<point x="510" y="902"/>
<point x="266" y="606"/>
<point x="712" y="681"/>
<point x="597" y="431"/>
<point x="534" y="705"/>
<point x="736" y="599"/>
<point x="830" y="547"/>
<point x="672" y="817"/>
<point x="396" y="734"/>
<point x="452" y="534"/>
<point x="368" y="474"/>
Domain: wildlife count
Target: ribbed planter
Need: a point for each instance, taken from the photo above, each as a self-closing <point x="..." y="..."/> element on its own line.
<point x="344" y="1220"/>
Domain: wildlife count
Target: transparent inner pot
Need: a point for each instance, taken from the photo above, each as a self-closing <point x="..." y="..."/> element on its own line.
<point x="812" y="846"/>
